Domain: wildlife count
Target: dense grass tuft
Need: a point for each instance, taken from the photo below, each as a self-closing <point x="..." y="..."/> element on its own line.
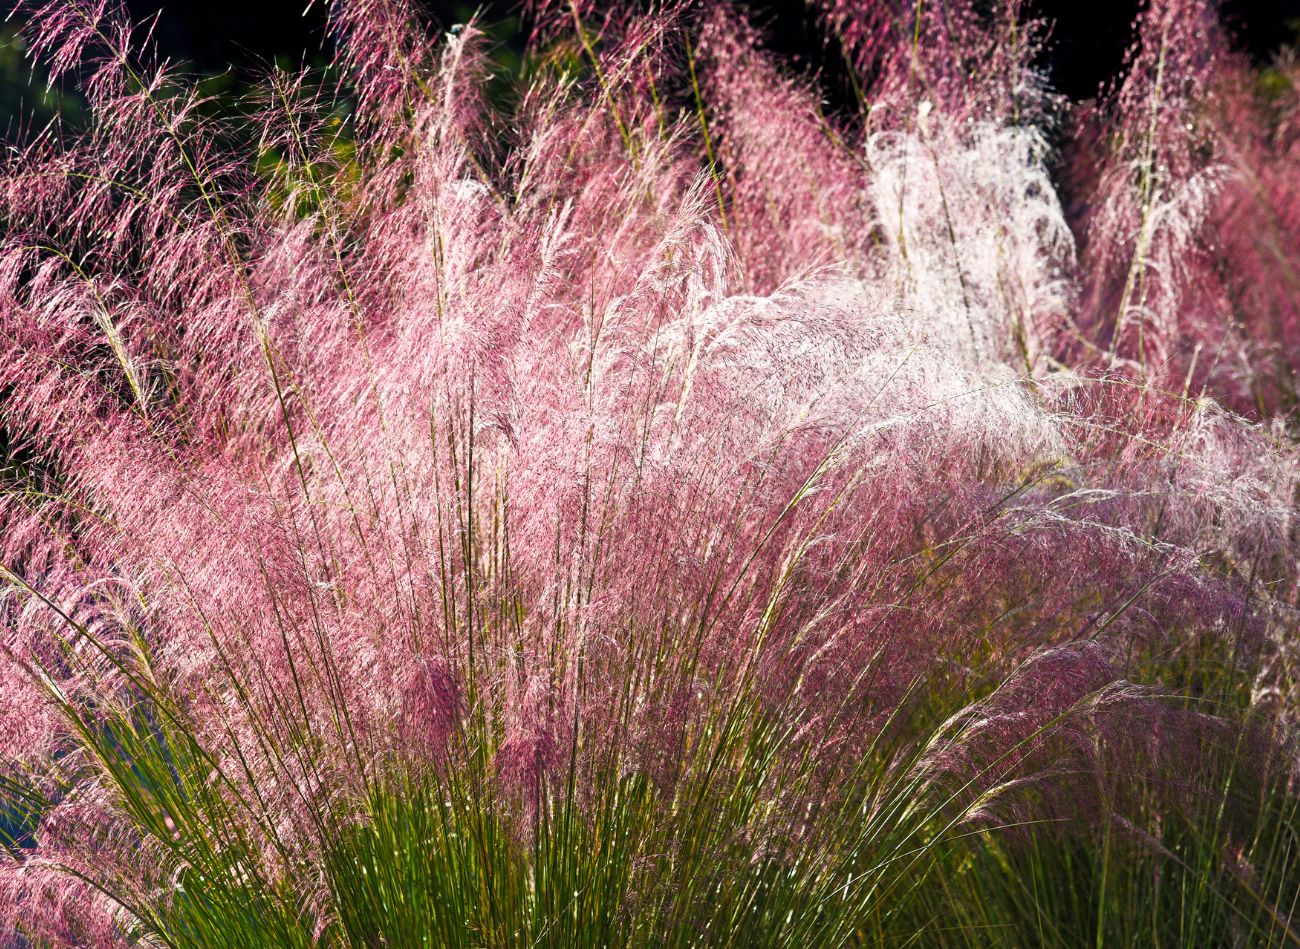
<point x="622" y="504"/>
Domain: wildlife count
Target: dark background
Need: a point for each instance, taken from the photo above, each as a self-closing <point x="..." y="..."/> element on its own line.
<point x="1087" y="42"/>
<point x="1085" y="48"/>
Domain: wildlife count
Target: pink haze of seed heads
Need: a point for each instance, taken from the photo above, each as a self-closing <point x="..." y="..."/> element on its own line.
<point x="670" y="384"/>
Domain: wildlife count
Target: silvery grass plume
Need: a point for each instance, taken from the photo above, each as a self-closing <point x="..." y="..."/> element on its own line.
<point x="660" y="513"/>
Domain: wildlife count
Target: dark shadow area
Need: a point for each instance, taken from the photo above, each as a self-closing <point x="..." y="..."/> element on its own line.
<point x="1084" y="50"/>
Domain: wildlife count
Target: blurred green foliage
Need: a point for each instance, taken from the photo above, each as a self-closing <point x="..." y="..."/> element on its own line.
<point x="26" y="98"/>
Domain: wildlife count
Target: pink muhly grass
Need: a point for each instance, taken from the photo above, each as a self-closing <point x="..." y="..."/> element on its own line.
<point x="537" y="459"/>
<point x="1177" y="286"/>
<point x="1153" y="192"/>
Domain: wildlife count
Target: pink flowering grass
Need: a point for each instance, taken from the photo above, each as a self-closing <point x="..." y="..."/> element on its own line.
<point x="649" y="509"/>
